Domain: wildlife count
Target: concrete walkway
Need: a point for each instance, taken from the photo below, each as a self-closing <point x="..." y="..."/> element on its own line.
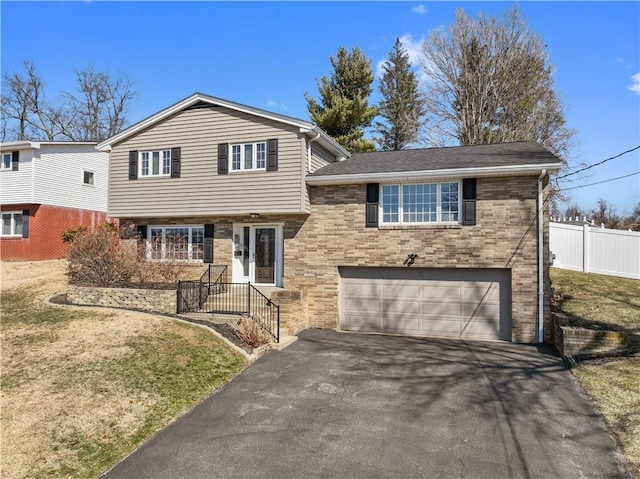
<point x="338" y="405"/>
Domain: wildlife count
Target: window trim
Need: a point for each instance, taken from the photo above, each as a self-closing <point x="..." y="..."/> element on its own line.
<point x="190" y="227"/>
<point x="400" y="211"/>
<point x="254" y="154"/>
<point x="13" y="233"/>
<point x="164" y="156"/>
<point x="2" y="165"/>
<point x="93" y="178"/>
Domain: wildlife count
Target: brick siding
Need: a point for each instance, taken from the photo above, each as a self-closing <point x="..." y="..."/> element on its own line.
<point x="45" y="225"/>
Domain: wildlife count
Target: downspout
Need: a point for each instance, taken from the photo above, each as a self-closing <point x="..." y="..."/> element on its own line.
<point x="311" y="140"/>
<point x="543" y="173"/>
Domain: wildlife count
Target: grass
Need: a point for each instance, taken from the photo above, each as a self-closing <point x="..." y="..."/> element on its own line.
<point x="597" y="301"/>
<point x="607" y="303"/>
<point x="82" y="388"/>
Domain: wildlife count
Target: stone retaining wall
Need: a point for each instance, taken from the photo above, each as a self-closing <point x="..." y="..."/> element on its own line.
<point x="152" y="300"/>
<point x="572" y="341"/>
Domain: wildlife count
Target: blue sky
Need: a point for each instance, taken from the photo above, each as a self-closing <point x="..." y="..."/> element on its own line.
<point x="268" y="54"/>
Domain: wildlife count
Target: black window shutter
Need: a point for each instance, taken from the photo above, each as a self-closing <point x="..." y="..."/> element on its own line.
<point x="223" y="158"/>
<point x="468" y="201"/>
<point x="25" y="223"/>
<point x="15" y="160"/>
<point x="272" y="154"/>
<point x="142" y="231"/>
<point x="373" y="197"/>
<point x="208" y="244"/>
<point x="133" y="165"/>
<point x="175" y="162"/>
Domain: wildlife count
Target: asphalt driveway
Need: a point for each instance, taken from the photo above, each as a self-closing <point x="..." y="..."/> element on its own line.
<point x="366" y="406"/>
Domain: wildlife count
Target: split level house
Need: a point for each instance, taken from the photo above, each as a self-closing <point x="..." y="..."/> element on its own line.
<point x="45" y="188"/>
<point x="446" y="242"/>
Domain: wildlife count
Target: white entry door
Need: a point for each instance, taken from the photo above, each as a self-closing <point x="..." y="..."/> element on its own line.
<point x="257" y="254"/>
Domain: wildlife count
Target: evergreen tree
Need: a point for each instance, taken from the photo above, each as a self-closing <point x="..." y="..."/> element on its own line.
<point x="402" y="106"/>
<point x="343" y="111"/>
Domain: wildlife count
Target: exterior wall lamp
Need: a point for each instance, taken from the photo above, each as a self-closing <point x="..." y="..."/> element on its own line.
<point x="254" y="215"/>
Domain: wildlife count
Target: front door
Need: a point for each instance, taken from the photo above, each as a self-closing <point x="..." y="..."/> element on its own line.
<point x="265" y="261"/>
<point x="257" y="254"/>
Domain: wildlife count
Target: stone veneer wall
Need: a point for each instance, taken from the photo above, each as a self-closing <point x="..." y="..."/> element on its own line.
<point x="152" y="300"/>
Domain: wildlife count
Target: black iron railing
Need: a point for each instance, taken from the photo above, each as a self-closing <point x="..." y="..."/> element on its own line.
<point x="222" y="297"/>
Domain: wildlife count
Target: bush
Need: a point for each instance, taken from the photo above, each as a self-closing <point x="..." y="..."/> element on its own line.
<point x="72" y="234"/>
<point x="97" y="259"/>
<point x="102" y="258"/>
<point x="251" y="332"/>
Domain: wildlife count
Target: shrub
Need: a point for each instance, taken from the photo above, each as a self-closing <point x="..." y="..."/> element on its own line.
<point x="72" y="234"/>
<point x="97" y="259"/>
<point x="251" y="332"/>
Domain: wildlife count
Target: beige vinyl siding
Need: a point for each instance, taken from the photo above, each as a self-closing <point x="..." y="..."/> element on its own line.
<point x="16" y="187"/>
<point x="320" y="157"/>
<point x="200" y="190"/>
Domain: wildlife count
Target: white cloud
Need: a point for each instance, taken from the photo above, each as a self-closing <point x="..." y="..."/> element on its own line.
<point x="275" y="104"/>
<point x="635" y="84"/>
<point x="420" y="9"/>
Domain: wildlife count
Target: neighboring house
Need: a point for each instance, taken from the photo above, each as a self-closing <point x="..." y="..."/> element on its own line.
<point x="45" y="188"/>
<point x="431" y="242"/>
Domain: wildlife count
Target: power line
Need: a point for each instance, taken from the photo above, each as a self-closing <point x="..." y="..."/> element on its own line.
<point x="596" y="164"/>
<point x="599" y="182"/>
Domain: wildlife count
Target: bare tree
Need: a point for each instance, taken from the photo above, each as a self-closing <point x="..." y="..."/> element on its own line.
<point x="491" y="83"/>
<point x="94" y="113"/>
<point x="605" y="213"/>
<point x="99" y="105"/>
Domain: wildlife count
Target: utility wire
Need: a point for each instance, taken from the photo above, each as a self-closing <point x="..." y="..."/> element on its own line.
<point x="599" y="182"/>
<point x="596" y="164"/>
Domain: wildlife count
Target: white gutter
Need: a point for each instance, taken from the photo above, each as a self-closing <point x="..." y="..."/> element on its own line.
<point x="543" y="173"/>
<point x="513" y="170"/>
<point x="311" y="140"/>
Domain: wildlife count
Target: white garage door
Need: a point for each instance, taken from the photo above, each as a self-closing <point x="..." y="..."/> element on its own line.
<point x="459" y="303"/>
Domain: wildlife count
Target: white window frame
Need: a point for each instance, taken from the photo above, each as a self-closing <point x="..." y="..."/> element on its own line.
<point x="9" y="165"/>
<point x="400" y="210"/>
<point x="163" y="247"/>
<point x="93" y="177"/>
<point x="164" y="163"/>
<point x="256" y="159"/>
<point x="13" y="233"/>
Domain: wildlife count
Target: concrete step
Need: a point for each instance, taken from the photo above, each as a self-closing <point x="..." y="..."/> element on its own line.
<point x="284" y="341"/>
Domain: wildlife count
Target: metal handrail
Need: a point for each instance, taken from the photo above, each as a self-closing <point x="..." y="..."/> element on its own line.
<point x="229" y="298"/>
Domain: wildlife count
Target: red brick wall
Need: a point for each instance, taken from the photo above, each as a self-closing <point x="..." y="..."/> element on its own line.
<point x="45" y="225"/>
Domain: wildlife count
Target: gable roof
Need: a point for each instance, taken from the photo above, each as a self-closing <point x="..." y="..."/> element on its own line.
<point x="471" y="161"/>
<point x="305" y="127"/>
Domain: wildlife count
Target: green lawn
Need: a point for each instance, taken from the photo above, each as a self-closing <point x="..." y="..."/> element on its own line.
<point x="607" y="303"/>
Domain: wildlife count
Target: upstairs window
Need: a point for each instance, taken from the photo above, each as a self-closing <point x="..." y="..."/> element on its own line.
<point x="155" y="163"/>
<point x="87" y="177"/>
<point x="6" y="161"/>
<point x="249" y="156"/>
<point x="420" y="203"/>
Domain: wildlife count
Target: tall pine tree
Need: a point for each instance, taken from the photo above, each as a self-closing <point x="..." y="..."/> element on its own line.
<point x="343" y="111"/>
<point x="402" y="107"/>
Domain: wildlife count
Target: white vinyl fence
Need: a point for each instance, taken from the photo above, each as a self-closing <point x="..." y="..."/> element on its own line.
<point x="595" y="250"/>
